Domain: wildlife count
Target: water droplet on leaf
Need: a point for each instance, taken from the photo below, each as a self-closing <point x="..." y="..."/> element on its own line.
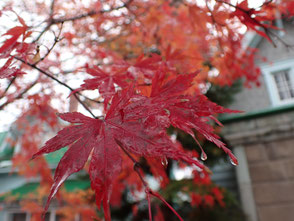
<point x="233" y="162"/>
<point x="167" y="111"/>
<point x="203" y="156"/>
<point x="164" y="161"/>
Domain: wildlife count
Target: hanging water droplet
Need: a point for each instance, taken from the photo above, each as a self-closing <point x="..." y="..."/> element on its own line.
<point x="164" y="162"/>
<point x="233" y="162"/>
<point x="203" y="156"/>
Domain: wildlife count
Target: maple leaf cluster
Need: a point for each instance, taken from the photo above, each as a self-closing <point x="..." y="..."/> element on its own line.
<point x="149" y="61"/>
<point x="137" y="124"/>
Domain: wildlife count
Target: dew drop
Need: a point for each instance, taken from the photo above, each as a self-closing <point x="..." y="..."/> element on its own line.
<point x="203" y="156"/>
<point x="233" y="162"/>
<point x="164" y="162"/>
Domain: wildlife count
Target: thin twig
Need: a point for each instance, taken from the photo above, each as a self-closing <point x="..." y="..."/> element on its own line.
<point x="42" y="32"/>
<point x="52" y="9"/>
<point x="56" y="40"/>
<point x="20" y="95"/>
<point x="266" y="30"/>
<point x="255" y="21"/>
<point x="90" y="13"/>
<point x="52" y="21"/>
<point x="215" y="24"/>
<point x="8" y="86"/>
<point x="58" y="81"/>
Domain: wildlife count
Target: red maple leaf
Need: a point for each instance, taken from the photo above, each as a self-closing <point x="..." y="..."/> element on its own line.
<point x="135" y="123"/>
<point x="11" y="44"/>
<point x="15" y="33"/>
<point x="6" y="71"/>
<point x="105" y="82"/>
<point x="251" y="18"/>
<point x="196" y="199"/>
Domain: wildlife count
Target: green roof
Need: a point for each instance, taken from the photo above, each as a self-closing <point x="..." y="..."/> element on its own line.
<point x="256" y="114"/>
<point x="54" y="157"/>
<point x="6" y="151"/>
<point x="2" y="136"/>
<point x="20" y="192"/>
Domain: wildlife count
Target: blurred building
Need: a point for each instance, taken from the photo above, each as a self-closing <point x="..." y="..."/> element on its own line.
<point x="263" y="136"/>
<point x="14" y="188"/>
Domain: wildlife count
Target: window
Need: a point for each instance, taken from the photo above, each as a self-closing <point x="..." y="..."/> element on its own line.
<point x="22" y="216"/>
<point x="279" y="78"/>
<point x="283" y="84"/>
<point x="18" y="216"/>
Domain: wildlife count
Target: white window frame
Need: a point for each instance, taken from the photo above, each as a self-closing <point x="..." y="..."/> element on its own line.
<point x="268" y="71"/>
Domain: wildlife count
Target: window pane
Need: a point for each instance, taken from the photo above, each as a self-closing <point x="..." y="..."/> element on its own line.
<point x="47" y="216"/>
<point x="284" y="85"/>
<point x="59" y="217"/>
<point x="18" y="217"/>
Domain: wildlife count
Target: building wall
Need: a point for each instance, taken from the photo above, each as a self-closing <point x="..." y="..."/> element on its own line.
<point x="257" y="98"/>
<point x="267" y="138"/>
<point x="253" y="99"/>
<point x="280" y="50"/>
<point x="271" y="166"/>
<point x="268" y="141"/>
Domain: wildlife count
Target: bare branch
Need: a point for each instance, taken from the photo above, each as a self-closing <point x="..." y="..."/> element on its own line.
<point x="52" y="9"/>
<point x="90" y="13"/>
<point x="56" y="40"/>
<point x="52" y="21"/>
<point x="58" y="81"/>
<point x="8" y="86"/>
<point x="20" y="95"/>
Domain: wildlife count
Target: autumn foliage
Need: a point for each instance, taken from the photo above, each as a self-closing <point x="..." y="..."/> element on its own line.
<point x="136" y="68"/>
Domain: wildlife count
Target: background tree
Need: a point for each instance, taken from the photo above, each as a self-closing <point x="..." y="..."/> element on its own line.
<point x="145" y="67"/>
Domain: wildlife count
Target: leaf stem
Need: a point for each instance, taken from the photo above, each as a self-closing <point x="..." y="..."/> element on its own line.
<point x="148" y="191"/>
<point x="149" y="205"/>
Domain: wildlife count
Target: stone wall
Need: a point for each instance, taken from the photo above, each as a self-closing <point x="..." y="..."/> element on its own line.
<point x="271" y="167"/>
<point x="269" y="146"/>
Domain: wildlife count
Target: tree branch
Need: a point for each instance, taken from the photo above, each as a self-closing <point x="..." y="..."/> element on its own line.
<point x="215" y="24"/>
<point x="60" y="82"/>
<point x="52" y="21"/>
<point x="19" y="96"/>
<point x="56" y="40"/>
<point x="8" y="86"/>
<point x="90" y="13"/>
<point x="52" y="9"/>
